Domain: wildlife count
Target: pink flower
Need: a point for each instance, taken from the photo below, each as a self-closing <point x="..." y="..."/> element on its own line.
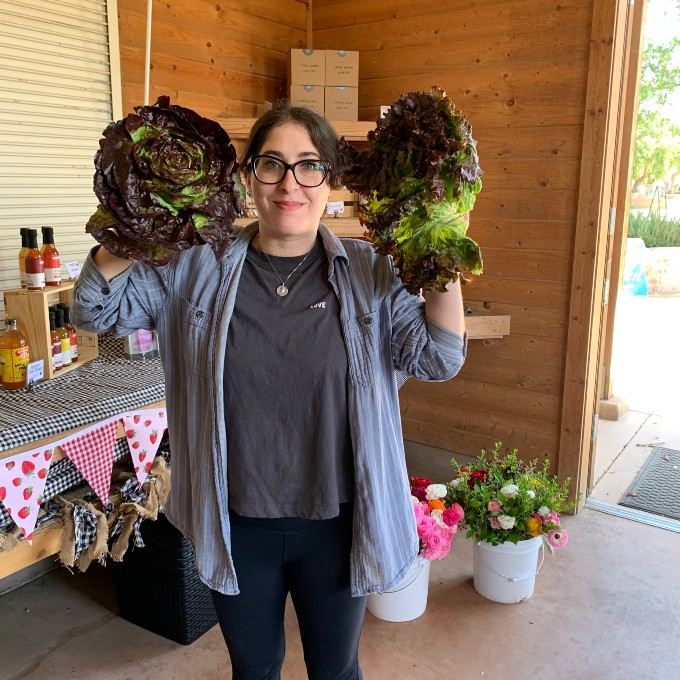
<point x="494" y="506"/>
<point x="558" y="538"/>
<point x="552" y="519"/>
<point x="438" y="543"/>
<point x="418" y="510"/>
<point x="453" y="515"/>
<point x="494" y="523"/>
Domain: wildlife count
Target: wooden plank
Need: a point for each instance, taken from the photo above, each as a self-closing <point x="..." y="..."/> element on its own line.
<point x="596" y="187"/>
<point x="435" y="24"/>
<point x="46" y="542"/>
<point x="216" y="108"/>
<point x="509" y="204"/>
<point x="352" y="130"/>
<point x="491" y="291"/>
<point x="228" y="52"/>
<point x="531" y="174"/>
<point x="522" y="234"/>
<point x="476" y="392"/>
<point x="206" y="79"/>
<point x="466" y="442"/>
<point x="529" y="348"/>
<point x="279" y="24"/>
<point x="543" y="265"/>
<point x="517" y="374"/>
<point x="530" y="432"/>
<point x="517" y="142"/>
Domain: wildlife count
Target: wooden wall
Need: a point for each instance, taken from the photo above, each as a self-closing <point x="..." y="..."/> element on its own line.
<point x="222" y="59"/>
<point x="518" y="69"/>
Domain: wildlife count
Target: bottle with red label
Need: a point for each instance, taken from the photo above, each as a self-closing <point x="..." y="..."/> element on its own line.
<point x="14" y="356"/>
<point x="51" y="258"/>
<point x="35" y="265"/>
<point x="55" y="342"/>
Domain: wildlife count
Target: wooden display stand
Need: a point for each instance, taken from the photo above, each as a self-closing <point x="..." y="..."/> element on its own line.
<point x="31" y="310"/>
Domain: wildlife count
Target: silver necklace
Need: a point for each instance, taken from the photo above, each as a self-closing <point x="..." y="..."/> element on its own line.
<point x="282" y="290"/>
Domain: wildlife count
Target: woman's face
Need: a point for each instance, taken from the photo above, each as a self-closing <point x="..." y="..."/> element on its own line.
<point x="288" y="209"/>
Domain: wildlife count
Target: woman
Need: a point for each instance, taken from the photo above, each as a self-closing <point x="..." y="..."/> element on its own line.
<point x="280" y="361"/>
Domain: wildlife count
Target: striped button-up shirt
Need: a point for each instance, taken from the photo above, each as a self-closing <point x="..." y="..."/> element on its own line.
<point x="386" y="332"/>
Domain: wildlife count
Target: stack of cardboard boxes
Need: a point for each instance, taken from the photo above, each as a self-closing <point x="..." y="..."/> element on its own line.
<point x="326" y="81"/>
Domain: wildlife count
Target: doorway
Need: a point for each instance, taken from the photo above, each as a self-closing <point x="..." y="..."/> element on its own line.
<point x="640" y="369"/>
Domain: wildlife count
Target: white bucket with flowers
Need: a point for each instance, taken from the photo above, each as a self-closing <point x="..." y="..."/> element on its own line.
<point x="512" y="511"/>
<point x="436" y="523"/>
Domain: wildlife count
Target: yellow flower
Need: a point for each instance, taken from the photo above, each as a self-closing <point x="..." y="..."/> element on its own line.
<point x="534" y="526"/>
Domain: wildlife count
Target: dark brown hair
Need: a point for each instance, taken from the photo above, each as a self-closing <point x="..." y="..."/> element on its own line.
<point x="321" y="132"/>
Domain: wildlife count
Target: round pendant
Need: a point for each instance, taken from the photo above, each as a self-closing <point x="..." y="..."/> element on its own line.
<point x="282" y="291"/>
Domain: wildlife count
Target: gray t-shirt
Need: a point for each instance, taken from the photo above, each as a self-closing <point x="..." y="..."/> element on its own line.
<point x="285" y="380"/>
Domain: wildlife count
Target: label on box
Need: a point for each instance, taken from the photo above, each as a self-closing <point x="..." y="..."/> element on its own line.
<point x="307" y="67"/>
<point x="335" y="207"/>
<point x="309" y="96"/>
<point x="342" y="103"/>
<point x="342" y="68"/>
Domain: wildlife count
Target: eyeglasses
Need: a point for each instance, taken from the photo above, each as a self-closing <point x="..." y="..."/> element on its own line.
<point x="272" y="170"/>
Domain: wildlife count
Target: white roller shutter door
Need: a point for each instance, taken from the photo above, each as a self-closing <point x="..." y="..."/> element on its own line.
<point x="55" y="101"/>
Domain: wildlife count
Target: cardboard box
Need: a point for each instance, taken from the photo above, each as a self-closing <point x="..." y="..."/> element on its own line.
<point x="342" y="68"/>
<point x="309" y="96"/>
<point x="342" y="103"/>
<point x="307" y="67"/>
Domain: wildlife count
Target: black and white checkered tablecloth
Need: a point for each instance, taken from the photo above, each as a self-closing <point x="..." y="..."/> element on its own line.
<point x="99" y="389"/>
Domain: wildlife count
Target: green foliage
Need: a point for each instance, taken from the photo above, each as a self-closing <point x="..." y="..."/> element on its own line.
<point x="657" y="140"/>
<point x="654" y="230"/>
<point x="523" y="496"/>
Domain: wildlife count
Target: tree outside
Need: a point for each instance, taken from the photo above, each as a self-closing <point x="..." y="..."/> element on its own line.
<point x="657" y="142"/>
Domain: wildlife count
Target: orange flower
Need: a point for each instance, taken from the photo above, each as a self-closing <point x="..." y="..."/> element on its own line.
<point x="436" y="505"/>
<point x="534" y="526"/>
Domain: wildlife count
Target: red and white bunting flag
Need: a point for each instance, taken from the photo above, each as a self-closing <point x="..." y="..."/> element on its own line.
<point x="143" y="431"/>
<point x="22" y="481"/>
<point x="92" y="453"/>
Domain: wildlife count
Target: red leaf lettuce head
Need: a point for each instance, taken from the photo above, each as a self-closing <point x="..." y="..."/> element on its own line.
<point x="166" y="179"/>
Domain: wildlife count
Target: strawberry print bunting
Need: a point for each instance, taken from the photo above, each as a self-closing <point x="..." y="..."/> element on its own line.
<point x="22" y="481"/>
<point x="143" y="431"/>
<point x="92" y="452"/>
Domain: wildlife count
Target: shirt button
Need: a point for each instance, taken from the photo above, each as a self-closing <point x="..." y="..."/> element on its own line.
<point x="200" y="314"/>
<point x="368" y="321"/>
<point x="105" y="291"/>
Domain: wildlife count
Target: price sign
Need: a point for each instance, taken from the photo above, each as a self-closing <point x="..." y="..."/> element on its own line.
<point x="35" y="371"/>
<point x="73" y="270"/>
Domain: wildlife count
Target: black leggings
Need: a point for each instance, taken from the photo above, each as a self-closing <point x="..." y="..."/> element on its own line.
<point x="309" y="559"/>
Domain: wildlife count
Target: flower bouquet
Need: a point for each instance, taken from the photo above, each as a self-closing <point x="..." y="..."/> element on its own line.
<point x="436" y="519"/>
<point x="505" y="499"/>
<point x="512" y="510"/>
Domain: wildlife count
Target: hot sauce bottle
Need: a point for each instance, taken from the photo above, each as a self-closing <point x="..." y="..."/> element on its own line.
<point x="64" y="338"/>
<point x="51" y="258"/>
<point x="22" y="255"/>
<point x="55" y="341"/>
<point x="15" y="356"/>
<point x="71" y="331"/>
<point x="35" y="265"/>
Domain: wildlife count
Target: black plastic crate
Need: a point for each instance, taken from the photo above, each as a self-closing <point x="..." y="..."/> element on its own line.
<point x="158" y="587"/>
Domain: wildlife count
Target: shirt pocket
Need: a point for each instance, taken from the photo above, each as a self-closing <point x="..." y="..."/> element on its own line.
<point x="363" y="341"/>
<point x="195" y="343"/>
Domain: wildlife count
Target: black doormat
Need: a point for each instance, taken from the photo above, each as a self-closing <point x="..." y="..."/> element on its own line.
<point x="656" y="488"/>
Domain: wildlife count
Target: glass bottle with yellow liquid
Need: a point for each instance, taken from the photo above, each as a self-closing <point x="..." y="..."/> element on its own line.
<point x="14" y="356"/>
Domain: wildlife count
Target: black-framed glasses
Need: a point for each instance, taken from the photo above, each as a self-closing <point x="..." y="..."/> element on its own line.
<point x="309" y="172"/>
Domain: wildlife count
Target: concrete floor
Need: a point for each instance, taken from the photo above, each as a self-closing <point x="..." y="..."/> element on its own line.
<point x="607" y="607"/>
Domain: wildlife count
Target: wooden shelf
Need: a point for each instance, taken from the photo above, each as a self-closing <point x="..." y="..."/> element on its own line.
<point x="353" y="130"/>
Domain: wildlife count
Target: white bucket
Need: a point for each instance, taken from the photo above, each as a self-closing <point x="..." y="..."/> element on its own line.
<point x="407" y="600"/>
<point x="506" y="572"/>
